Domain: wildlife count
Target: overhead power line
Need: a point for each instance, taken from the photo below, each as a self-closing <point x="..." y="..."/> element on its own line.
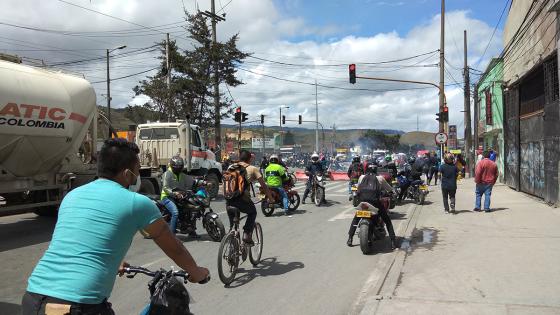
<point x="493" y="33"/>
<point x="126" y="76"/>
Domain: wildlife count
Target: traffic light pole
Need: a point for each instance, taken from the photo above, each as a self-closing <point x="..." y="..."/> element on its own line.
<point x="239" y="140"/>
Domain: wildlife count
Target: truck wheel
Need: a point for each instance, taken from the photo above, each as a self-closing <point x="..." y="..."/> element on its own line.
<point x="48" y="211"/>
<point x="147" y="187"/>
<point x="215" y="187"/>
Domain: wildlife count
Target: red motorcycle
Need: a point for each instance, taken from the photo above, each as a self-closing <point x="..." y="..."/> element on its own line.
<point x="293" y="198"/>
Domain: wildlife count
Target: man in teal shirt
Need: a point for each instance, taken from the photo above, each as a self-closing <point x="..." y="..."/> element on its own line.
<point x="275" y="175"/>
<point x="95" y="227"/>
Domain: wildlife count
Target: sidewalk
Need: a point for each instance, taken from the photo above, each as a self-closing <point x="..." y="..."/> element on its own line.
<point x="503" y="262"/>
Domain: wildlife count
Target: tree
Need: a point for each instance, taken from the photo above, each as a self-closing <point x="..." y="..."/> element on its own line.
<point x="191" y="89"/>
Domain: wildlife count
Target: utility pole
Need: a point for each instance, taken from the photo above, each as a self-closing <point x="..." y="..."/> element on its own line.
<point x="263" y="143"/>
<point x="468" y="150"/>
<point x="316" y="121"/>
<point x="442" y="66"/>
<point x="476" y="119"/>
<point x="217" y="124"/>
<point x="168" y="78"/>
<point x="108" y="96"/>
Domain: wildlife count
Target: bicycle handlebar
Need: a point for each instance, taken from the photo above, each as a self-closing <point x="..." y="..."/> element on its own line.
<point x="132" y="271"/>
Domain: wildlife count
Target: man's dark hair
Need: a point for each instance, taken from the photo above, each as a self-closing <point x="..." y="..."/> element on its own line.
<point x="486" y="154"/>
<point x="115" y="156"/>
<point x="245" y="156"/>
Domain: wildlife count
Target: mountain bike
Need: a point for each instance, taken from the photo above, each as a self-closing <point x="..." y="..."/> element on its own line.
<point x="233" y="249"/>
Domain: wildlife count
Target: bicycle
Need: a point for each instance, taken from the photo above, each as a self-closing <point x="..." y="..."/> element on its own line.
<point x="132" y="271"/>
<point x="232" y="248"/>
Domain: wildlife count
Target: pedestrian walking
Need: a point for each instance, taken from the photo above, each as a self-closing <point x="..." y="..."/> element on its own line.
<point x="486" y="175"/>
<point x="433" y="164"/>
<point x="449" y="174"/>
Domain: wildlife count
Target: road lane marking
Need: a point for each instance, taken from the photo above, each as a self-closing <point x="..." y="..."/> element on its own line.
<point x="347" y="213"/>
<point x="154" y="262"/>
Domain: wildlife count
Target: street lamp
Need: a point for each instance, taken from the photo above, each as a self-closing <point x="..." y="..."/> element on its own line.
<point x="281" y="128"/>
<point x="109" y="88"/>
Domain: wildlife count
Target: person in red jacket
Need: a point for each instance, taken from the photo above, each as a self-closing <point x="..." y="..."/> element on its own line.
<point x="486" y="174"/>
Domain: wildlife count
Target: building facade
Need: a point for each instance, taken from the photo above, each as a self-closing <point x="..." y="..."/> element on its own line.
<point x="491" y="112"/>
<point x="531" y="97"/>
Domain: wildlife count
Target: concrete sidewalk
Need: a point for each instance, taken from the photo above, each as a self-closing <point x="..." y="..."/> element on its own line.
<point x="503" y="262"/>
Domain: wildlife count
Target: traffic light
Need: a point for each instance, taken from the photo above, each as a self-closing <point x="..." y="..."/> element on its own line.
<point x="352" y="73"/>
<point x="244" y="117"/>
<point x="283" y="120"/>
<point x="445" y="114"/>
<point x="299" y="119"/>
<point x="262" y="119"/>
<point x="237" y="117"/>
<point x="439" y="118"/>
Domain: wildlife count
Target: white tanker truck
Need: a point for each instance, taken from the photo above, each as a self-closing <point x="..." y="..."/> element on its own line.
<point x="45" y="118"/>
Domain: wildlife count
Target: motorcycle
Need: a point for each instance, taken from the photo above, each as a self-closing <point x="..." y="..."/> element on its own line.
<point x="198" y="206"/>
<point x="354" y="195"/>
<point x="417" y="190"/>
<point x="318" y="189"/>
<point x="293" y="199"/>
<point x="370" y="227"/>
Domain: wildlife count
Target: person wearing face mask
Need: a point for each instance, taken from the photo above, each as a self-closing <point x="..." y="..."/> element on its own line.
<point x="95" y="227"/>
<point x="175" y="183"/>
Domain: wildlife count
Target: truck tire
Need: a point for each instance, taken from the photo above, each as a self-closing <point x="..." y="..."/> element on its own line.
<point x="147" y="187"/>
<point x="215" y="187"/>
<point x="47" y="211"/>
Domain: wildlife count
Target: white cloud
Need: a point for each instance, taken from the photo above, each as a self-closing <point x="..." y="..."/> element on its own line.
<point x="264" y="31"/>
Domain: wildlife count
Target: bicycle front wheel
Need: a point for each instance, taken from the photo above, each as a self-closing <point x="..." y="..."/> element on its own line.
<point x="228" y="258"/>
<point x="255" y="252"/>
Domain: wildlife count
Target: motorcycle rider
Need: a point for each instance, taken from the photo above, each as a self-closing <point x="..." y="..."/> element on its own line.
<point x="354" y="172"/>
<point x="391" y="166"/>
<point x="385" y="188"/>
<point x="175" y="179"/>
<point x="311" y="170"/>
<point x="412" y="173"/>
<point x="275" y="176"/>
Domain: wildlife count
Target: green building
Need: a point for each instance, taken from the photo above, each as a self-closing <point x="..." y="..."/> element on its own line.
<point x="489" y="113"/>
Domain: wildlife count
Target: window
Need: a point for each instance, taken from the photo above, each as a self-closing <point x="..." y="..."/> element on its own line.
<point x="551" y="80"/>
<point x="488" y="98"/>
<point x="195" y="139"/>
<point x="531" y="93"/>
<point x="159" y="134"/>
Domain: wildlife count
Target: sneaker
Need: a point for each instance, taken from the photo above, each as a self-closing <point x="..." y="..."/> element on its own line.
<point x="349" y="242"/>
<point x="247" y="239"/>
<point x="303" y="201"/>
<point x="446" y="211"/>
<point x="487" y="210"/>
<point x="394" y="244"/>
<point x="476" y="210"/>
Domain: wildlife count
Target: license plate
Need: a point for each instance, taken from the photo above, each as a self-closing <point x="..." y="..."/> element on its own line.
<point x="354" y="188"/>
<point x="423" y="187"/>
<point x="363" y="214"/>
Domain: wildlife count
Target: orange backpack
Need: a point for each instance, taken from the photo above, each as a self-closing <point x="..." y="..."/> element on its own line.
<point x="235" y="182"/>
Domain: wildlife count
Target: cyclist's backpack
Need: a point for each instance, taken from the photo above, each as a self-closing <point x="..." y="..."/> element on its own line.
<point x="168" y="296"/>
<point x="357" y="170"/>
<point x="235" y="181"/>
<point x="369" y="188"/>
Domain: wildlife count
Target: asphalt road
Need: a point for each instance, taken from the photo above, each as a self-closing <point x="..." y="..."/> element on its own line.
<point x="306" y="266"/>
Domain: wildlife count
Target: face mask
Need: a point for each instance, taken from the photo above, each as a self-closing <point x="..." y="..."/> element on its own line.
<point x="136" y="186"/>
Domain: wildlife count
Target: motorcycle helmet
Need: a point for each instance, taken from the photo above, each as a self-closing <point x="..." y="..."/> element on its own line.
<point x="388" y="158"/>
<point x="177" y="164"/>
<point x="274" y="159"/>
<point x="411" y="160"/>
<point x="315" y="157"/>
<point x="371" y="168"/>
<point x="356" y="159"/>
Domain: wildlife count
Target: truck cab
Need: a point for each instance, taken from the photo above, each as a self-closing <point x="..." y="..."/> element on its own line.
<point x="160" y="141"/>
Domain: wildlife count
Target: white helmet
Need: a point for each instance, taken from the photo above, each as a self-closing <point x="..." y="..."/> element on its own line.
<point x="273" y="157"/>
<point x="315" y="156"/>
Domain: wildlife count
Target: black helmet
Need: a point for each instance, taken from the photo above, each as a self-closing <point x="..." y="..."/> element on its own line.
<point x="411" y="160"/>
<point x="177" y="164"/>
<point x="371" y="168"/>
<point x="356" y="158"/>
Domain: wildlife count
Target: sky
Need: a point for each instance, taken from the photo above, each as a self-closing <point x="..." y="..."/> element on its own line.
<point x="290" y="40"/>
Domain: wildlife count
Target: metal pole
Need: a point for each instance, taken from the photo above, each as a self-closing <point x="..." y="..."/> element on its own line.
<point x="217" y="109"/>
<point x="442" y="65"/>
<point x="239" y="140"/>
<point x="108" y="96"/>
<point x="467" y="109"/>
<point x="168" y="78"/>
<point x="281" y="130"/>
<point x="263" y="145"/>
<point x="316" y="120"/>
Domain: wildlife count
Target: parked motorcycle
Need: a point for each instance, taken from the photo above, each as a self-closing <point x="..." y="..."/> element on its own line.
<point x="197" y="205"/>
<point x="370" y="227"/>
<point x="293" y="199"/>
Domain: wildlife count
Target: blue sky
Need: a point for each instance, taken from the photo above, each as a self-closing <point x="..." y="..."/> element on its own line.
<point x="369" y="17"/>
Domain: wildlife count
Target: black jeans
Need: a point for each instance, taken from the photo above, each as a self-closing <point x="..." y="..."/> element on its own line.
<point x="448" y="193"/>
<point x="433" y="174"/>
<point x="247" y="207"/>
<point x="35" y="304"/>
<point x="384" y="216"/>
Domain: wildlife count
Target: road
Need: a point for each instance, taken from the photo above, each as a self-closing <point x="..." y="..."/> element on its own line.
<point x="306" y="268"/>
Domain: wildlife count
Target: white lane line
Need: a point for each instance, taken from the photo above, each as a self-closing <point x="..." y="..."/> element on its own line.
<point x="338" y="185"/>
<point x="347" y="213"/>
<point x="154" y="262"/>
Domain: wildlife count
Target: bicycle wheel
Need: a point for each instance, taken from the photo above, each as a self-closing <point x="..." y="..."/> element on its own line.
<point x="228" y="258"/>
<point x="255" y="251"/>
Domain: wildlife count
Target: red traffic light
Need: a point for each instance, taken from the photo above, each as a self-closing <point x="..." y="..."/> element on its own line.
<point x="238" y="109"/>
<point x="352" y="73"/>
<point x="445" y="109"/>
<point x="352" y="67"/>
